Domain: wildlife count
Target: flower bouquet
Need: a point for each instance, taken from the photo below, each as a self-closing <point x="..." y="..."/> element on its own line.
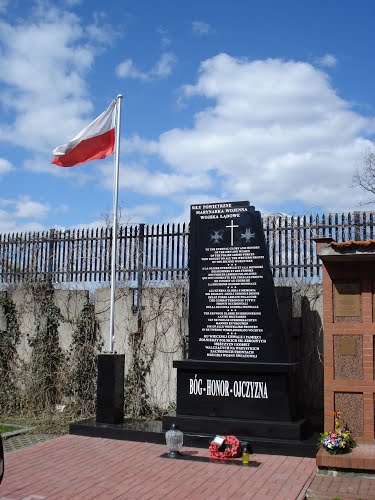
<point x="337" y="441"/>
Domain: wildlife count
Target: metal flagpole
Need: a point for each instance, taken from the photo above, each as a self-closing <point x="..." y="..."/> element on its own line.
<point x="114" y="227"/>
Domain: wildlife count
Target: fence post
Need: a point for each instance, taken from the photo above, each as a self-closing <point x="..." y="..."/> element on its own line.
<point x="50" y="256"/>
<point x="357" y="229"/>
<point x="141" y="246"/>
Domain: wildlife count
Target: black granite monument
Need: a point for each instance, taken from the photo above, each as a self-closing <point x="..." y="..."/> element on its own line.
<point x="238" y="379"/>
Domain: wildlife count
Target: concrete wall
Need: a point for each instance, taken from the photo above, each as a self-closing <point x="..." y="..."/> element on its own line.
<point x="164" y="320"/>
<point x="70" y="304"/>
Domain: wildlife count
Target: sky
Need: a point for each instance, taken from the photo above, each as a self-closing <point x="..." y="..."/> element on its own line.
<point x="268" y="101"/>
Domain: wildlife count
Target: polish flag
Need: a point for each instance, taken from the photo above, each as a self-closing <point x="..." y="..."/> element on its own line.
<point x="94" y="142"/>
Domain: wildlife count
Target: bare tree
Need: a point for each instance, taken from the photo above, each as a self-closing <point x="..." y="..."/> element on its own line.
<point x="364" y="176"/>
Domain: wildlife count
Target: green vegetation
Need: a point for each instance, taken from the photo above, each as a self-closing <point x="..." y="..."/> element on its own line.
<point x="47" y="423"/>
<point x="7" y="428"/>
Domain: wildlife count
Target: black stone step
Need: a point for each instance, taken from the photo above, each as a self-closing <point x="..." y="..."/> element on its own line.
<point x="294" y="430"/>
<point x="151" y="431"/>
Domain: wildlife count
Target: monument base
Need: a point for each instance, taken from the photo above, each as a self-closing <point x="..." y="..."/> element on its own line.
<point x="151" y="431"/>
<point x="230" y="390"/>
<point x="252" y="400"/>
<point x="238" y="427"/>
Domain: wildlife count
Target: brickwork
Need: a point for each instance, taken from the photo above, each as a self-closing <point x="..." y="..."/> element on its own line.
<point x="349" y="385"/>
<point x="361" y="458"/>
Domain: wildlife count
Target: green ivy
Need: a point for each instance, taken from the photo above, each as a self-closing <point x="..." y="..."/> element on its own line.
<point x="137" y="401"/>
<point x="83" y="356"/>
<point x="47" y="356"/>
<point x="9" y="340"/>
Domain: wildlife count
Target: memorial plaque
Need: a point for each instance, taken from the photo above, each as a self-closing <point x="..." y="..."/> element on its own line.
<point x="233" y="310"/>
<point x="348" y="346"/>
<point x="347" y="299"/>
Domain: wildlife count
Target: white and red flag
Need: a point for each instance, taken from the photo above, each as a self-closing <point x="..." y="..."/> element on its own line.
<point x="94" y="142"/>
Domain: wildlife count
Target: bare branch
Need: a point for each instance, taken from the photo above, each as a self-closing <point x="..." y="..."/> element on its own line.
<point x="364" y="176"/>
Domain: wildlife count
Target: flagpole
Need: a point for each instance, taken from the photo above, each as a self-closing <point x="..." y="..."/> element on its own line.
<point x="114" y="227"/>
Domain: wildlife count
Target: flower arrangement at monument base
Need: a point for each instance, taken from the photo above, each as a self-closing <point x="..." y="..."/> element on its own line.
<point x="337" y="441"/>
<point x="225" y="447"/>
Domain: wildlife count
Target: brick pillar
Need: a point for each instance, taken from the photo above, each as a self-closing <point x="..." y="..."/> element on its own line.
<point x="349" y="386"/>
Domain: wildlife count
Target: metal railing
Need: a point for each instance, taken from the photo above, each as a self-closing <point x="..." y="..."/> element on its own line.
<point x="160" y="252"/>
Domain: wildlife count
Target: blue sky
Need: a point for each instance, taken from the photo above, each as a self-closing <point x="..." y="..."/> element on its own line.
<point x="267" y="101"/>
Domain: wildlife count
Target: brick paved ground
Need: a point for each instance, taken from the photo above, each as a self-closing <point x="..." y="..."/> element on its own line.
<point x="76" y="467"/>
<point x="345" y="488"/>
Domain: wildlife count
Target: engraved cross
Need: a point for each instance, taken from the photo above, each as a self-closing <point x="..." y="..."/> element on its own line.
<point x="232" y="226"/>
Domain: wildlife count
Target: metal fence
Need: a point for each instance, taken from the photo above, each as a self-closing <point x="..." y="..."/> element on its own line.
<point x="160" y="252"/>
<point x="291" y="245"/>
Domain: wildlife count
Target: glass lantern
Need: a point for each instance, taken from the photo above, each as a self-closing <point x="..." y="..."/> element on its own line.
<point x="174" y="438"/>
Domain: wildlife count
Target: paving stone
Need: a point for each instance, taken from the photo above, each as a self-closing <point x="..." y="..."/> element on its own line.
<point x="77" y="467"/>
<point x="24" y="440"/>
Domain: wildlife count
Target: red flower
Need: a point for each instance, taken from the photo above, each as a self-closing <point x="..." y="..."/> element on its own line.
<point x="230" y="451"/>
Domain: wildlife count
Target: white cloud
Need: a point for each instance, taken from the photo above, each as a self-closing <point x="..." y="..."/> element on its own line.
<point x="77" y="176"/>
<point x="23" y="214"/>
<point x="201" y="28"/>
<point x="43" y="68"/>
<point x="100" y="30"/>
<point x="127" y="69"/>
<point x="327" y="61"/>
<point x="275" y="132"/>
<point x="26" y="208"/>
<point x="153" y="182"/>
<point x="126" y="215"/>
<point x="135" y="144"/>
<point x="139" y="213"/>
<point x="3" y="6"/>
<point x="5" y="166"/>
<point x="73" y="3"/>
<point x="162" y="68"/>
<point x="165" y="39"/>
<point x="9" y="224"/>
